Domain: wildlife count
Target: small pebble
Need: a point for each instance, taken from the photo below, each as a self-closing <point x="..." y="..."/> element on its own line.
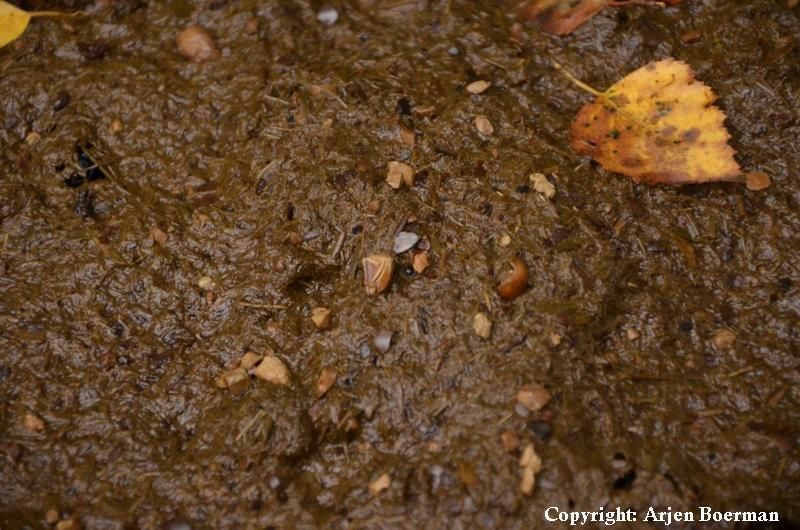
<point x="533" y="397"/>
<point x="482" y="325"/>
<point x="379" y="484"/>
<point x="404" y="241"/>
<point x="196" y="44"/>
<point x="452" y="51"/>
<point x="321" y="316"/>
<point x="483" y="125"/>
<point x="542" y="185"/>
<point x="33" y="423"/>
<point x="478" y="87"/>
<point x="272" y="370"/>
<point x="328" y="15"/>
<point x="383" y="340"/>
<point x="327" y="378"/>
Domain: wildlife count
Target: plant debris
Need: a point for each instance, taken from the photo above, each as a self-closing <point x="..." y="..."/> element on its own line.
<point x="562" y="17"/>
<point x="380" y="484"/>
<point x="657" y="125"/>
<point x="483" y="125"/>
<point x="327" y="378"/>
<point x="378" y="270"/>
<point x="542" y="185"/>
<point x="321" y="317"/>
<point x="398" y="173"/>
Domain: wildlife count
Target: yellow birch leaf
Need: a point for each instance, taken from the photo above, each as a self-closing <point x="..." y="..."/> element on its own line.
<point x="657" y="125"/>
<point x="14" y="20"/>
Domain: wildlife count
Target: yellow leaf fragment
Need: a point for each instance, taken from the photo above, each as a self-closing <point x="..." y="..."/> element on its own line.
<point x="13" y="22"/>
<point x="657" y="125"/>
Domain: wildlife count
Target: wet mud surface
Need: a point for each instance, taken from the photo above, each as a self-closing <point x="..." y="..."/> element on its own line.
<point x="663" y="321"/>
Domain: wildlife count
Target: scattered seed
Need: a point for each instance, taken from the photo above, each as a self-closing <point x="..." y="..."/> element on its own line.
<point x="206" y="283"/>
<point x="420" y="262"/>
<point x="379" y="484"/>
<point x="482" y="325"/>
<point x="51" y="517"/>
<point x="373" y="207"/>
<point x="399" y="173"/>
<point x="378" y="270"/>
<point x="62" y="100"/>
<point x="272" y="370"/>
<point x="33" y="423"/>
<point x="328" y="15"/>
<point x="407" y="136"/>
<point x="724" y="339"/>
<point x="530" y="464"/>
<point x="251" y="26"/>
<point x="467" y="475"/>
<point x="483" y="125"/>
<point x="404" y="241"/>
<point x="505" y="240"/>
<point x="116" y="126"/>
<point x="632" y="333"/>
<point x="691" y="36"/>
<point x="68" y="524"/>
<point x="478" y="87"/>
<point x="293" y="238"/>
<point x="158" y="235"/>
<point x="383" y="340"/>
<point x="514" y="283"/>
<point x="32" y="138"/>
<point x="327" y="378"/>
<point x="196" y="44"/>
<point x="533" y="397"/>
<point x="555" y="339"/>
<point x="510" y="441"/>
<point x="236" y="380"/>
<point x="321" y="316"/>
<point x="757" y="181"/>
<point x="542" y="185"/>
<point x="249" y="360"/>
